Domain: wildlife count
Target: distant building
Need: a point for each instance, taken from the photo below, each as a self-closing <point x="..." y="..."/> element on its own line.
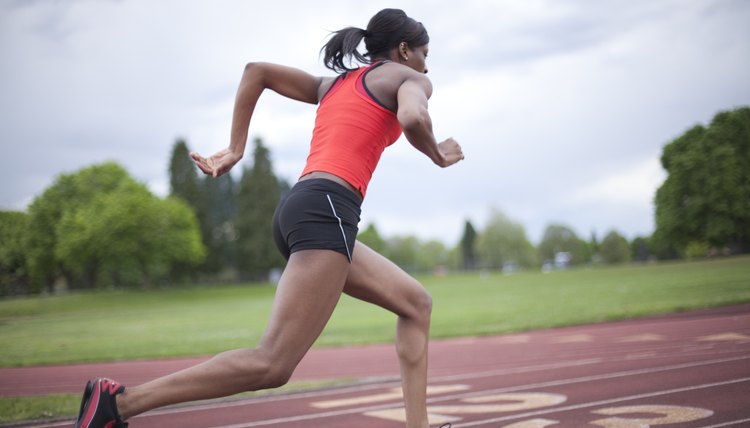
<point x="562" y="260"/>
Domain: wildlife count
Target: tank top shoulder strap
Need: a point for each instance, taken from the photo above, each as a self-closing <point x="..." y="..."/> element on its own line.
<point x="362" y="88"/>
<point x="335" y="85"/>
<point x="359" y="85"/>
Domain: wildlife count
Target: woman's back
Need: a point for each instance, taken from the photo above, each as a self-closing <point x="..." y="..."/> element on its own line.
<point x="352" y="128"/>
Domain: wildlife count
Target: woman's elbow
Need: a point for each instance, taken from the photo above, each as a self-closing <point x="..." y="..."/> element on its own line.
<point x="414" y="120"/>
<point x="254" y="72"/>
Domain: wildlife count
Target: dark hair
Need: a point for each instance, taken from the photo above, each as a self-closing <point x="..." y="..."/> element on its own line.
<point x="386" y="30"/>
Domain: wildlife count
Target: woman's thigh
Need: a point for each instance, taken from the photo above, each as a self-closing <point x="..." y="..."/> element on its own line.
<point x="375" y="279"/>
<point x="306" y="296"/>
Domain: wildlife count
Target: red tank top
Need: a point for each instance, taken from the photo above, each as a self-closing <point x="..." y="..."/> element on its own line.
<point x="351" y="131"/>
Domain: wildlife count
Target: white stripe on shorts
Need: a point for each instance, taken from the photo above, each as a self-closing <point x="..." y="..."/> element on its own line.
<point x="341" y="226"/>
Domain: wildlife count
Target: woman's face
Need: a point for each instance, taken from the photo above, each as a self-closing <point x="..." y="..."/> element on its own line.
<point x="415" y="58"/>
<point x="420" y="58"/>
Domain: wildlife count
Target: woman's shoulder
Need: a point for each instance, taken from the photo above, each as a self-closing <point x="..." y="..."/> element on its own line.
<point x="393" y="74"/>
<point x="391" y="68"/>
<point x="384" y="81"/>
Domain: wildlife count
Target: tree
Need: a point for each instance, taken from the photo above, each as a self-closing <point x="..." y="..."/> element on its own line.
<point x="128" y="237"/>
<point x="13" y="270"/>
<point x="663" y="249"/>
<point x="403" y="251"/>
<point x="503" y="242"/>
<point x="258" y="196"/>
<point x="431" y="255"/>
<point x="407" y="251"/>
<point x="66" y="194"/>
<point x="705" y="199"/>
<point x="221" y="208"/>
<point x="371" y="237"/>
<point x="614" y="249"/>
<point x="98" y="226"/>
<point x="558" y="238"/>
<point x="641" y="251"/>
<point x="185" y="183"/>
<point x="178" y="246"/>
<point x="469" y="246"/>
<point x="594" y="249"/>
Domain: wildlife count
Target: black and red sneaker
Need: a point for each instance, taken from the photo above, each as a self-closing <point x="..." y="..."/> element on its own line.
<point x="98" y="406"/>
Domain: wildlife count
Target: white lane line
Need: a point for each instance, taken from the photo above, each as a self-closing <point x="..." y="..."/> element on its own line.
<point x="367" y="387"/>
<point x="627" y="357"/>
<point x="345" y="390"/>
<point x="601" y="402"/>
<point x="728" y="424"/>
<point x="582" y="379"/>
<point x="359" y="410"/>
<point x="516" y="370"/>
<point x="363" y="388"/>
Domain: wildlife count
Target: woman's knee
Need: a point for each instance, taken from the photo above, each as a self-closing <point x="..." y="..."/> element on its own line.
<point x="421" y="303"/>
<point x="278" y="375"/>
<point x="278" y="370"/>
<point x="264" y="370"/>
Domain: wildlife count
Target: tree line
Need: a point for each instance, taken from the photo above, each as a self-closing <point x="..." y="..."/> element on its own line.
<point x="99" y="228"/>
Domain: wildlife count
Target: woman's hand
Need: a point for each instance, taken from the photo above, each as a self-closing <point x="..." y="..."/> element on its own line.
<point x="451" y="152"/>
<point x="218" y="164"/>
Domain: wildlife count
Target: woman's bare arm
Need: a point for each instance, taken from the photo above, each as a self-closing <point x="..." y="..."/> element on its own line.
<point x="417" y="125"/>
<point x="287" y="81"/>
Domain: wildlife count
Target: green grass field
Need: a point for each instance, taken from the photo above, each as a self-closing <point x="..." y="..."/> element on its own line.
<point x="107" y="326"/>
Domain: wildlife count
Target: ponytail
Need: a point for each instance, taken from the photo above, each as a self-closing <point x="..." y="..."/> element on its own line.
<point x="385" y="31"/>
<point x="341" y="45"/>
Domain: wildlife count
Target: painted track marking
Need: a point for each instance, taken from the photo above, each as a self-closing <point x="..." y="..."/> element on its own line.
<point x="360" y="410"/>
<point x="603" y="402"/>
<point x="728" y="424"/>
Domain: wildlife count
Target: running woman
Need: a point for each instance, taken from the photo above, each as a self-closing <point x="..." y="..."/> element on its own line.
<point x="361" y="111"/>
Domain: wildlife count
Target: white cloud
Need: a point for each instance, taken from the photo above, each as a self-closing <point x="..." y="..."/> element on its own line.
<point x="634" y="185"/>
<point x="554" y="102"/>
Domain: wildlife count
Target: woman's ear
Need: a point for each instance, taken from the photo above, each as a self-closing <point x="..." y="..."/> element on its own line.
<point x="403" y="51"/>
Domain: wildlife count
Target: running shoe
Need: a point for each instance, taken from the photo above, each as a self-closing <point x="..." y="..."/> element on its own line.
<point x="98" y="406"/>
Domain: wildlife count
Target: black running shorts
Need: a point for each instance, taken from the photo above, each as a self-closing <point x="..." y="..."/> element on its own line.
<point x="317" y="214"/>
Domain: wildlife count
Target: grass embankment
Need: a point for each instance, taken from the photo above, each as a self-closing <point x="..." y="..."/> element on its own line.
<point x="107" y="326"/>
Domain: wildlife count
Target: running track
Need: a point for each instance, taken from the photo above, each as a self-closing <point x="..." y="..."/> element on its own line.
<point x="685" y="370"/>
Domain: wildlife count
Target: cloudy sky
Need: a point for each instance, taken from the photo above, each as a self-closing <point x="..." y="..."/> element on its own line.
<point x="562" y="106"/>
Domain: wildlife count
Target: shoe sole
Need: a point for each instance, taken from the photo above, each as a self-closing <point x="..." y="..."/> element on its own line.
<point x="85" y="400"/>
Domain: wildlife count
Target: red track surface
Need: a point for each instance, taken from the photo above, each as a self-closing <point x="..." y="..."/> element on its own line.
<point x="687" y="370"/>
